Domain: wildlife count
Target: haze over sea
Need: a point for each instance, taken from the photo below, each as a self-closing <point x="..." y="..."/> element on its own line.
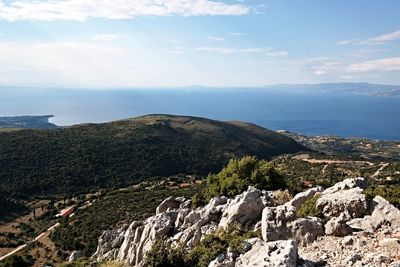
<point x="316" y="113"/>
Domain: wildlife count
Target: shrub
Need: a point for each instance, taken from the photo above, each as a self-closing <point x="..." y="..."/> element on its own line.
<point x="203" y="253"/>
<point x="309" y="208"/>
<point x="241" y="173"/>
<point x="281" y="197"/>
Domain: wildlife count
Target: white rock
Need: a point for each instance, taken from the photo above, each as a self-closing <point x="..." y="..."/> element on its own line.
<point x="278" y="253"/>
<point x="346" y="184"/>
<point x="302" y="197"/>
<point x="245" y="209"/>
<point x="352" y="201"/>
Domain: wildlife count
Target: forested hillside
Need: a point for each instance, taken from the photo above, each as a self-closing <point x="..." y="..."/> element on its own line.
<point x="84" y="157"/>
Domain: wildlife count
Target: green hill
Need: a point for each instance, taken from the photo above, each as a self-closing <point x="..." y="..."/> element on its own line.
<point x="90" y="156"/>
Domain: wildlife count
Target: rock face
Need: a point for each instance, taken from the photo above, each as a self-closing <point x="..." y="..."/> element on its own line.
<point x="278" y="253"/>
<point x="352" y="201"/>
<point x="351" y="232"/>
<point x="179" y="225"/>
<point x="244" y="210"/>
<point x="280" y="223"/>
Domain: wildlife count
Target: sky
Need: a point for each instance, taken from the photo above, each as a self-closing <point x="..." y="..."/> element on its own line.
<point x="178" y="43"/>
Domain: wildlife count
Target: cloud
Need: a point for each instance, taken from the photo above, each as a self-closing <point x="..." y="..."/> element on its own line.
<point x="229" y="50"/>
<point x="278" y="54"/>
<point x="82" y="10"/>
<point x="216" y="38"/>
<point x="379" y="65"/>
<point x="105" y="37"/>
<point x="236" y="34"/>
<point x="174" y="50"/>
<point x="381" y="39"/>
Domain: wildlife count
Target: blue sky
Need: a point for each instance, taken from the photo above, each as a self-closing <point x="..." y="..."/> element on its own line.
<point x="170" y="43"/>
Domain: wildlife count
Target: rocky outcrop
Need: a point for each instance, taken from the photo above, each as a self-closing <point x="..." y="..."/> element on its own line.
<point x="352" y="201"/>
<point x="278" y="253"/>
<point x="302" y="197"/>
<point x="179" y="225"/>
<point x="280" y="223"/>
<point x="383" y="213"/>
<point x="244" y="210"/>
<point x="348" y="226"/>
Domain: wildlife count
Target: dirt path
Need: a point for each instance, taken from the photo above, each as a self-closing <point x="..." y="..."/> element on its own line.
<point x="34" y="240"/>
<point x="380" y="169"/>
<point x="305" y="157"/>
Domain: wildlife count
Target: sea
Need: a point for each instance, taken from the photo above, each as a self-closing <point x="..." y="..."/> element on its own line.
<point x="309" y="113"/>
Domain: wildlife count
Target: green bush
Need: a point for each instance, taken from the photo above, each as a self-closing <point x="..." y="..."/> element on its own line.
<point x="390" y="193"/>
<point x="15" y="261"/>
<point x="238" y="175"/>
<point x="309" y="208"/>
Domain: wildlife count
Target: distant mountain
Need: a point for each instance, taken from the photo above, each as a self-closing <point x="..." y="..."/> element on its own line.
<point x="33" y="122"/>
<point x="350" y="88"/>
<point x="84" y="157"/>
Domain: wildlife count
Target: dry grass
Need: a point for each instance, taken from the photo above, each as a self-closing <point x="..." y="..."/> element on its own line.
<point x="111" y="264"/>
<point x="281" y="197"/>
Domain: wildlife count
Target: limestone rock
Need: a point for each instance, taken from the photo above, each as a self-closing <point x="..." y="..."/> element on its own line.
<point x="245" y="209"/>
<point x="302" y="197"/>
<point x="337" y="226"/>
<point x="346" y="184"/>
<point x="169" y="203"/>
<point x="280" y="223"/>
<point x="75" y="256"/>
<point x="383" y="213"/>
<point x="352" y="201"/>
<point x="306" y="230"/>
<point x="278" y="253"/>
<point x="274" y="222"/>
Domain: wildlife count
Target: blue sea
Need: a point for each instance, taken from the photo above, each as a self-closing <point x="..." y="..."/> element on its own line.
<point x="345" y="115"/>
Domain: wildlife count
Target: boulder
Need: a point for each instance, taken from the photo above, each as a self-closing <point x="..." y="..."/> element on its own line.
<point x="337" y="226"/>
<point x="302" y="197"/>
<point x="169" y="203"/>
<point x="245" y="209"/>
<point x="346" y="184"/>
<point x="75" y="256"/>
<point x="306" y="230"/>
<point x="275" y="220"/>
<point x="352" y="201"/>
<point x="222" y="260"/>
<point x="383" y="213"/>
<point x="278" y="253"/>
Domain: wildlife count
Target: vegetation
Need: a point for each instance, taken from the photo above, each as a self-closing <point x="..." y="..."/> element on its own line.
<point x="112" y="210"/>
<point x="309" y="208"/>
<point x="237" y="176"/>
<point x="390" y="193"/>
<point x="81" y="158"/>
<point x="16" y="261"/>
<point x="203" y="253"/>
<point x="10" y="208"/>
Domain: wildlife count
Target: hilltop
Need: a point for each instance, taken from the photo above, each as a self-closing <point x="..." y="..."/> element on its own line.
<point x="35" y="122"/>
<point x="90" y="156"/>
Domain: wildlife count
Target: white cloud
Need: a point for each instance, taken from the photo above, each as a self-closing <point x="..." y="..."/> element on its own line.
<point x="381" y="39"/>
<point x="379" y="65"/>
<point x="105" y="37"/>
<point x="237" y="34"/>
<point x="278" y="54"/>
<point x="82" y="10"/>
<point x="320" y="72"/>
<point x="216" y="38"/>
<point x="229" y="50"/>
<point x="174" y="50"/>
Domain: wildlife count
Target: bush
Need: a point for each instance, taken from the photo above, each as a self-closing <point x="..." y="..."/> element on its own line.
<point x="309" y="208"/>
<point x="15" y="261"/>
<point x="203" y="253"/>
<point x="238" y="175"/>
<point x="390" y="193"/>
